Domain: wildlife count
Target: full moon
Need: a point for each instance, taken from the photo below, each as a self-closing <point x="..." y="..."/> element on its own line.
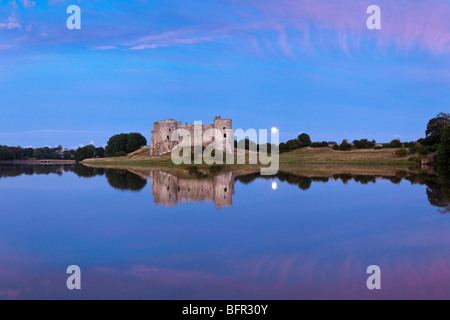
<point x="274" y="130"/>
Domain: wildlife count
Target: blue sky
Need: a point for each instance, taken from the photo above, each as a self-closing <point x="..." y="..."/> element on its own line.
<point x="301" y="65"/>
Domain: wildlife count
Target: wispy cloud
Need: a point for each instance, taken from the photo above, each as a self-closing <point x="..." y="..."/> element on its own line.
<point x="105" y="47"/>
<point x="289" y="27"/>
<point x="318" y="25"/>
<point x="10" y="23"/>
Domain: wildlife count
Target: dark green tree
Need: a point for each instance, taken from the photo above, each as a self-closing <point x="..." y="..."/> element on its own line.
<point x="396" y="143"/>
<point x="99" y="152"/>
<point x="435" y="127"/>
<point x="304" y="139"/>
<point x="293" y="144"/>
<point x="345" y="146"/>
<point x="125" y="143"/>
<point x="135" y="141"/>
<point x="443" y="155"/>
<point x="83" y="153"/>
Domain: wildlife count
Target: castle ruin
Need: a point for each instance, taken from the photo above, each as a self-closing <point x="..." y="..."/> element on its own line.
<point x="161" y="139"/>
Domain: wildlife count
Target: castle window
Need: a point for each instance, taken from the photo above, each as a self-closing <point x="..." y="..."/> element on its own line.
<point x="168" y="138"/>
<point x="225" y="135"/>
<point x="224" y="128"/>
<point x="225" y="189"/>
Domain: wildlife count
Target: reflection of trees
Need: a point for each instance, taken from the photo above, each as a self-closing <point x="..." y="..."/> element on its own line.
<point x="124" y="180"/>
<point x="88" y="172"/>
<point x="303" y="183"/>
<point x="15" y="170"/>
<point x="438" y="191"/>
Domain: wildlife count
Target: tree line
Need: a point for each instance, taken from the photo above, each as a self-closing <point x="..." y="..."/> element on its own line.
<point x="118" y="145"/>
<point x="18" y="153"/>
<point x="436" y="141"/>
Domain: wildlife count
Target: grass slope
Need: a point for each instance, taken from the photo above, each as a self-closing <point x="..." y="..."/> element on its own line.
<point x="300" y="156"/>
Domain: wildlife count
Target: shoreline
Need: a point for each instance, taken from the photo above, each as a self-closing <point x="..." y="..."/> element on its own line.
<point x="39" y="162"/>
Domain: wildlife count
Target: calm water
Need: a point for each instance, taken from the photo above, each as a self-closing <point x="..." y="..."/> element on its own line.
<point x="221" y="236"/>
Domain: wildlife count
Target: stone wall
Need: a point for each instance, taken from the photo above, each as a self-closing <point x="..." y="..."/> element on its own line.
<point x="162" y="133"/>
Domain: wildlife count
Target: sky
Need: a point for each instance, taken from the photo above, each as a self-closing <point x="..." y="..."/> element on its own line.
<point x="300" y="65"/>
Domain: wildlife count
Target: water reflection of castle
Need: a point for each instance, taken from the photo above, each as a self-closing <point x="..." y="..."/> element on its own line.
<point x="168" y="190"/>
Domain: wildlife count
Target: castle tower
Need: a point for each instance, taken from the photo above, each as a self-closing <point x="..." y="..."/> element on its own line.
<point x="226" y="129"/>
<point x="161" y="137"/>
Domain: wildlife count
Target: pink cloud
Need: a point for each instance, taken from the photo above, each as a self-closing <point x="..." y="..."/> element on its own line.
<point x="174" y="38"/>
<point x="28" y="4"/>
<point x="336" y="24"/>
<point x="105" y="47"/>
<point x="404" y="23"/>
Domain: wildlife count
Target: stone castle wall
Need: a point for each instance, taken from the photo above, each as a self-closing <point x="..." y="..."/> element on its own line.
<point x="162" y="133"/>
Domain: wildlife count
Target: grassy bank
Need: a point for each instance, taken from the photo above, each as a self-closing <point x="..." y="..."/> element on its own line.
<point x="300" y="156"/>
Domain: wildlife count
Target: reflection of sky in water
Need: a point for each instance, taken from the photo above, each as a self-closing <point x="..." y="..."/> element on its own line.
<point x="276" y="244"/>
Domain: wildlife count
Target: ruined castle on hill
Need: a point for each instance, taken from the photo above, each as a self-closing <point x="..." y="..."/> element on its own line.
<point x="161" y="140"/>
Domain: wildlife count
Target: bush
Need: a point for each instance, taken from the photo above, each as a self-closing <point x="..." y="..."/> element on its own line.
<point x="282" y="147"/>
<point x="336" y="147"/>
<point x="395" y="144"/>
<point x="364" y="144"/>
<point x="422" y="151"/>
<point x="401" y="153"/>
<point x="293" y="145"/>
<point x="319" y="144"/>
<point x="345" y="146"/>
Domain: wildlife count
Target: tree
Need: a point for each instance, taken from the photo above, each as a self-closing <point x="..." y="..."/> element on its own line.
<point x="85" y="153"/>
<point x="443" y="156"/>
<point x="304" y="139"/>
<point x="435" y="127"/>
<point x="345" y="146"/>
<point x="135" y="141"/>
<point x="38" y="154"/>
<point x="401" y="153"/>
<point x="67" y="155"/>
<point x="100" y="152"/>
<point x="364" y="144"/>
<point x="28" y="153"/>
<point x="395" y="143"/>
<point x="6" y="153"/>
<point x="319" y="144"/>
<point x="126" y="143"/>
<point x="293" y="145"/>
